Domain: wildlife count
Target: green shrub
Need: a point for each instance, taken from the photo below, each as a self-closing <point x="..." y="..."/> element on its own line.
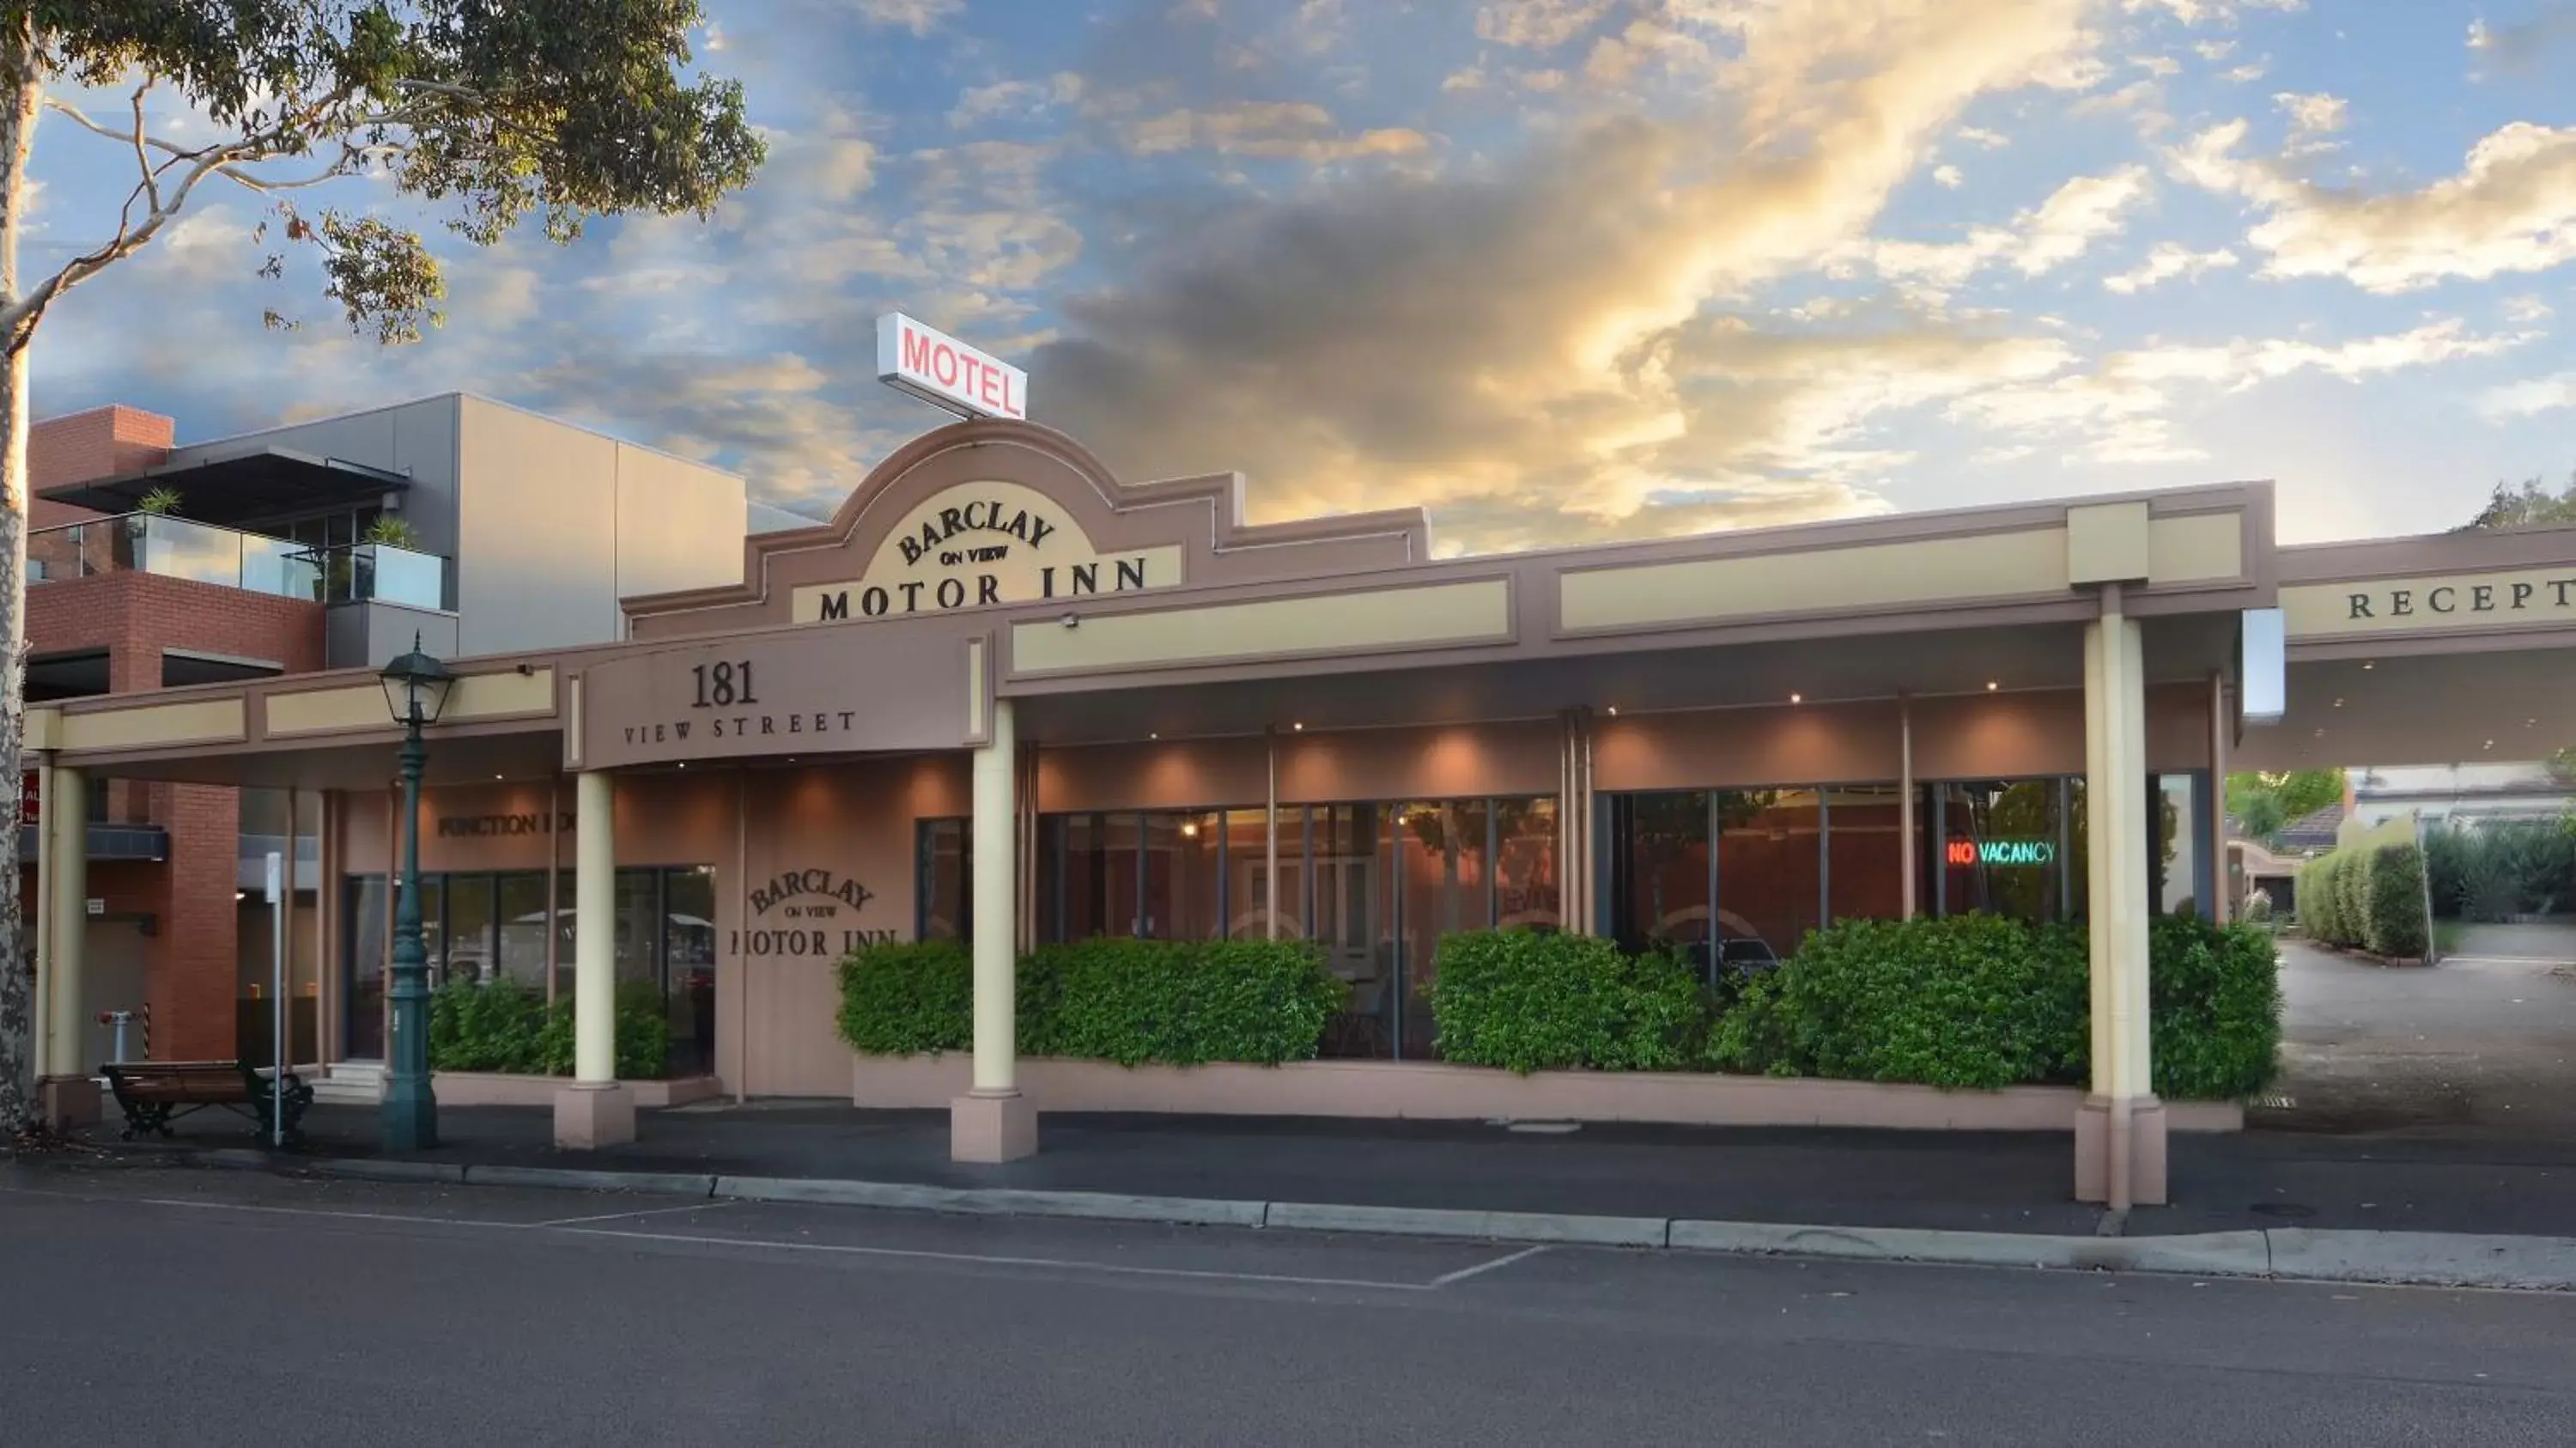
<point x="2214" y="1022"/>
<point x="2395" y="922"/>
<point x="1967" y="1000"/>
<point x="907" y="998"/>
<point x="478" y="1027"/>
<point x="1531" y="1001"/>
<point x="1109" y="999"/>
<point x="1179" y="1002"/>
<point x="507" y="1026"/>
<point x="2366" y="896"/>
<point x="1984" y="1001"/>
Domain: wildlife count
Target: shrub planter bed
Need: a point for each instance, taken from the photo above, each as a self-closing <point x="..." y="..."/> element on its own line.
<point x="1435" y="1091"/>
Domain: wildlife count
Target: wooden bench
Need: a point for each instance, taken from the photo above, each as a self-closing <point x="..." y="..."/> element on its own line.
<point x="152" y="1094"/>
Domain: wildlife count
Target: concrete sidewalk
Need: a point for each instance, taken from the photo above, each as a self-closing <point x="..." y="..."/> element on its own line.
<point x="2258" y="1204"/>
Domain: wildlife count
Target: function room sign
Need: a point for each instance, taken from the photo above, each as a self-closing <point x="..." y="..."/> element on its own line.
<point x="776" y="696"/>
<point x="978" y="544"/>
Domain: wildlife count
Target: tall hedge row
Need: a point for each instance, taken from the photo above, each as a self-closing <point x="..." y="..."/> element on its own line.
<point x="2366" y="896"/>
<point x="1179" y="1002"/>
<point x="1973" y="1001"/>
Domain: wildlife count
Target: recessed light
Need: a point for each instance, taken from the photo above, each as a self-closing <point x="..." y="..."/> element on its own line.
<point x="496" y="776"/>
<point x="1797" y="698"/>
<point x="1991" y="686"/>
<point x="1299" y="727"/>
<point x="2321" y="734"/>
<point x="684" y="764"/>
<point x="2490" y="744"/>
<point x="1190" y="829"/>
<point x="2338" y="703"/>
<point x="1153" y="736"/>
<point x="2370" y="663"/>
<point x="1613" y="711"/>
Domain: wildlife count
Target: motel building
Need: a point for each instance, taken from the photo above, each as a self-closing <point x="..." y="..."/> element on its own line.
<point x="1005" y="696"/>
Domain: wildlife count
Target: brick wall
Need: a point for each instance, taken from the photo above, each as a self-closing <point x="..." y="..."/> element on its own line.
<point x="104" y="442"/>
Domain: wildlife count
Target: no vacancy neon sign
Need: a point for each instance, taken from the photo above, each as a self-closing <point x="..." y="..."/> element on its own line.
<point x="2007" y="853"/>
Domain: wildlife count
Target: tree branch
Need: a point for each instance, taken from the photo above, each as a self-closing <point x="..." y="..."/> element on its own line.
<point x="142" y="157"/>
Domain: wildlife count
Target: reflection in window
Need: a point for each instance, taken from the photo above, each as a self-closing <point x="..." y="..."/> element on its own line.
<point x="942" y="905"/>
<point x="1769" y="869"/>
<point x="2176" y="886"/>
<point x="1865" y="852"/>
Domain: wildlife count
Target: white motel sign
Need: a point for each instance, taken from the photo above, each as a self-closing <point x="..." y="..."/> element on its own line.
<point x="945" y="372"/>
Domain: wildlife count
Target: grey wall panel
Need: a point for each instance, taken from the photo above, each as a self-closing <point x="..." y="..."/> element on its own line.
<point x="766" y="518"/>
<point x="368" y="635"/>
<point x="679" y="523"/>
<point x="536" y="563"/>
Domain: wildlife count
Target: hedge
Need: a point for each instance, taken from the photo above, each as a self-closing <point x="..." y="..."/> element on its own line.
<point x="1964" y="1000"/>
<point x="2502" y="868"/>
<point x="1177" y="1002"/>
<point x="1531" y="1001"/>
<point x="1981" y="1001"/>
<point x="505" y="1025"/>
<point x="2366" y="896"/>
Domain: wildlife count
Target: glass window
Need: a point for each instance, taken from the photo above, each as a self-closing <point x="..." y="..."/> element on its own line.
<point x="945" y="908"/>
<point x="2002" y="848"/>
<point x="1182" y="878"/>
<point x="689" y="964"/>
<point x="1443" y="863"/>
<point x="1347" y="911"/>
<point x="470" y="952"/>
<point x="524" y="925"/>
<point x="1526" y="879"/>
<point x="1660" y="862"/>
<point x="639" y="925"/>
<point x="364" y="983"/>
<point x="1247" y="877"/>
<point x="1865" y="852"/>
<point x="2176" y="859"/>
<point x="1770" y="890"/>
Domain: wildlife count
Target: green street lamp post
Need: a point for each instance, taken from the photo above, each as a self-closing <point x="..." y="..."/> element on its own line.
<point x="416" y="687"/>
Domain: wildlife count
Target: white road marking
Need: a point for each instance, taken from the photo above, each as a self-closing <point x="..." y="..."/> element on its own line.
<point x="1463" y="1273"/>
<point x="1123" y="1269"/>
<point x="640" y="1212"/>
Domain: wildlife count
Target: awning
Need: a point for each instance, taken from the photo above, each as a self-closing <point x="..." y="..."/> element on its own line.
<point x="266" y="483"/>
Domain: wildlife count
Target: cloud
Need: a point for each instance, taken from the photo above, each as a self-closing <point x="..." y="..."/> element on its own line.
<point x="1980" y="136"/>
<point x="2039" y="240"/>
<point x="2519" y="47"/>
<point x="1298" y="130"/>
<point x="2167" y="261"/>
<point x="2510" y="208"/>
<point x="2528" y="398"/>
<point x="2121" y="410"/>
<point x="2312" y="114"/>
<point x="2207" y="12"/>
<point x="1525" y="345"/>
<point x="2248" y="73"/>
<point x="1024" y="99"/>
<point x="1948" y="177"/>
<point x="1537" y="24"/>
<point x="917" y="16"/>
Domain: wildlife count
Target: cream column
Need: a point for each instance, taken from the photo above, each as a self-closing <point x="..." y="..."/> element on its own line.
<point x="40" y="1038"/>
<point x="993" y="1122"/>
<point x="595" y="1110"/>
<point x="2222" y="893"/>
<point x="68" y="1096"/>
<point x="2120" y="1130"/>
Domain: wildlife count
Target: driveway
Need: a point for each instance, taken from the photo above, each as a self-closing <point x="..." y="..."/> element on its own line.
<point x="2480" y="1047"/>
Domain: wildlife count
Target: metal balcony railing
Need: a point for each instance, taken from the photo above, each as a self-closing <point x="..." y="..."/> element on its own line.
<point x="178" y="548"/>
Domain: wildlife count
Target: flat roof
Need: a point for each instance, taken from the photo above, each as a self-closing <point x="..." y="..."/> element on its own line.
<point x="264" y="483"/>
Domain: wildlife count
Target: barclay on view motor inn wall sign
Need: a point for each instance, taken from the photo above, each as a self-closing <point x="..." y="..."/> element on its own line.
<point x="978" y="544"/>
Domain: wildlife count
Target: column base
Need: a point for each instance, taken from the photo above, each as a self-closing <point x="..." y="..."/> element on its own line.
<point x="68" y="1102"/>
<point x="992" y="1128"/>
<point x="2147" y="1183"/>
<point x="592" y="1115"/>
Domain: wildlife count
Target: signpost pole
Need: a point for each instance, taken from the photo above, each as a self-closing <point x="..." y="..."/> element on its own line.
<point x="277" y="999"/>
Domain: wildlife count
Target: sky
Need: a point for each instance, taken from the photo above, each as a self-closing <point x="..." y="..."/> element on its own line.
<point x="1559" y="271"/>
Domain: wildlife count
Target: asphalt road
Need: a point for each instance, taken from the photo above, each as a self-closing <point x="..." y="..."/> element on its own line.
<point x="220" y="1308"/>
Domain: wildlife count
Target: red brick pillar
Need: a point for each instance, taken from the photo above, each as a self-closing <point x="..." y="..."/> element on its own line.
<point x="195" y="960"/>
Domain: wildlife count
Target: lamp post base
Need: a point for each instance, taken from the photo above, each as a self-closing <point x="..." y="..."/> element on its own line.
<point x="409" y="1115"/>
<point x="992" y="1128"/>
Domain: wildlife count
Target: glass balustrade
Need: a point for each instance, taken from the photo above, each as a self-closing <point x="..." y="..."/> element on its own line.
<point x="179" y="548"/>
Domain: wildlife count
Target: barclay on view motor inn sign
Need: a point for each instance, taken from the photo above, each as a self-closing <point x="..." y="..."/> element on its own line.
<point x="945" y="372"/>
